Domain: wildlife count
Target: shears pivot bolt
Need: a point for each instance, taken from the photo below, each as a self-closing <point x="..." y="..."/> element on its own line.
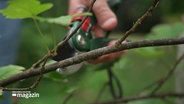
<point x="81" y="40"/>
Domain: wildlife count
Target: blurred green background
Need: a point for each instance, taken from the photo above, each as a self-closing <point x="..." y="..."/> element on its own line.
<point x="136" y="69"/>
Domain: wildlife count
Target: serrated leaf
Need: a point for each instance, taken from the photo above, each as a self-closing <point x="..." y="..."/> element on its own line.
<point x="62" y="20"/>
<point x="21" y="9"/>
<point x="9" y="70"/>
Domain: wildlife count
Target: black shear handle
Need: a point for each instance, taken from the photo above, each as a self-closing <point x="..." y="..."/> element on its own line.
<point x="112" y="77"/>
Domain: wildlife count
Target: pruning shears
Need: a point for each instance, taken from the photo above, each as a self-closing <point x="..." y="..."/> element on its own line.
<point x="84" y="40"/>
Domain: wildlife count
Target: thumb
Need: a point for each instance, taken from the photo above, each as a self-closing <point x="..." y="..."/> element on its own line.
<point x="105" y="17"/>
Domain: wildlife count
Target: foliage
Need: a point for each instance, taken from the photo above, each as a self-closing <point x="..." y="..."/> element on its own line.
<point x="21" y="9"/>
<point x="161" y="31"/>
<point x="1" y="92"/>
<point x="166" y="31"/>
<point x="62" y="20"/>
<point x="25" y="8"/>
<point x="135" y="69"/>
<point x="9" y="70"/>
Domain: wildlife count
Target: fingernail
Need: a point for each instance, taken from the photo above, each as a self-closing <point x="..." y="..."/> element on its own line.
<point x="109" y="24"/>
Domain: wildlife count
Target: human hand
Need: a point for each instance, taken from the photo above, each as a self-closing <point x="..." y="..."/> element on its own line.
<point x="106" y="18"/>
<point x="106" y="21"/>
<point x="108" y="57"/>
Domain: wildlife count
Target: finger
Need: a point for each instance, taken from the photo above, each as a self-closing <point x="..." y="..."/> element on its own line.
<point x="73" y="4"/>
<point x="106" y="18"/>
<point x="98" y="32"/>
<point x="107" y="58"/>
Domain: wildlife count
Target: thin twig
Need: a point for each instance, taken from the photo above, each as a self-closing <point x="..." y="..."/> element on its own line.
<point x="68" y="97"/>
<point x="169" y="74"/>
<point x="35" y="65"/>
<point x="41" y="34"/>
<point x="161" y="81"/>
<point x="151" y="96"/>
<point x="101" y="91"/>
<point x="34" y="85"/>
<point x="138" y="22"/>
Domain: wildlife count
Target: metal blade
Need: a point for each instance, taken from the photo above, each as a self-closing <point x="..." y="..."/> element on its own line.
<point x="64" y="52"/>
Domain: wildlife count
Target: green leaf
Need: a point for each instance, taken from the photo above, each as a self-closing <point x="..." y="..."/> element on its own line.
<point x="21" y="9"/>
<point x="56" y="77"/>
<point x="166" y="31"/>
<point x="7" y="71"/>
<point x="1" y="92"/>
<point x="62" y="20"/>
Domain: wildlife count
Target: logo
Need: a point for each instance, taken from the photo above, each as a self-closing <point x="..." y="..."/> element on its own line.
<point x="25" y="94"/>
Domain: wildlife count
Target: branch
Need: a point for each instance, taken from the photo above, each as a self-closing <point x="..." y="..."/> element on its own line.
<point x="101" y="91"/>
<point x="89" y="55"/>
<point x="66" y="100"/>
<point x="169" y="74"/>
<point x="159" y="83"/>
<point x="35" y="70"/>
<point x="151" y="96"/>
<point x="139" y="21"/>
